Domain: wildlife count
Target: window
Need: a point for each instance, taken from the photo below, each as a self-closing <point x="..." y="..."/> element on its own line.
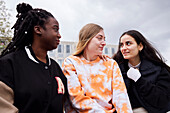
<point x="60" y="48"/>
<point x="67" y="48"/>
<point x="106" y="50"/>
<point x="113" y="51"/>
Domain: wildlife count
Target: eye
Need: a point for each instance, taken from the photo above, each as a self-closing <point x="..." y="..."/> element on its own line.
<point x="99" y="38"/>
<point x="56" y="29"/>
<point x="128" y="43"/>
<point x="121" y="44"/>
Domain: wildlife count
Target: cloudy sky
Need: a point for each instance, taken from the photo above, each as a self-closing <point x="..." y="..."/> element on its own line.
<point x="150" y="17"/>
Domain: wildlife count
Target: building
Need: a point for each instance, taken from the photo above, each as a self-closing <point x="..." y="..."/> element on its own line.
<point x="66" y="48"/>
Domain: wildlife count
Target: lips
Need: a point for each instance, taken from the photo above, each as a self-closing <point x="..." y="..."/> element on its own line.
<point x="125" y="53"/>
<point x="58" y="41"/>
<point x="101" y="48"/>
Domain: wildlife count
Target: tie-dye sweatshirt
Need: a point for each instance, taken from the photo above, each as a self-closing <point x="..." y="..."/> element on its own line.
<point x="96" y="86"/>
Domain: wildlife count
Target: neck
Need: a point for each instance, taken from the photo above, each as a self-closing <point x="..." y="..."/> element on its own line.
<point x="40" y="54"/>
<point x="89" y="57"/>
<point x="134" y="62"/>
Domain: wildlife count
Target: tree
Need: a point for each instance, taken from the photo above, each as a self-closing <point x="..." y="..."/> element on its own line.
<point x="5" y="28"/>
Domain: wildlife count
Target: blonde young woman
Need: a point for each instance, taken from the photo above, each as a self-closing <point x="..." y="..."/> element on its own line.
<point x="95" y="85"/>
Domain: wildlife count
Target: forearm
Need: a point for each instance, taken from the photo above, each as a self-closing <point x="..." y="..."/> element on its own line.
<point x="84" y="103"/>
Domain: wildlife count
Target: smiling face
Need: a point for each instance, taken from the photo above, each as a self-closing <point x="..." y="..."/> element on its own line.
<point x="129" y="48"/>
<point x="50" y="37"/>
<point x="96" y="44"/>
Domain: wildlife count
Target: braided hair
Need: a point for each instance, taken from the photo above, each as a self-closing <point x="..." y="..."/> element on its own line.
<point x="24" y="26"/>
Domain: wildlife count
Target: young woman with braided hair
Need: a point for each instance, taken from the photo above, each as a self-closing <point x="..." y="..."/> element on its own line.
<point x="30" y="81"/>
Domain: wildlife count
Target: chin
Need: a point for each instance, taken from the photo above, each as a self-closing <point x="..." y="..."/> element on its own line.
<point x="126" y="57"/>
<point x="100" y="53"/>
<point x="55" y="47"/>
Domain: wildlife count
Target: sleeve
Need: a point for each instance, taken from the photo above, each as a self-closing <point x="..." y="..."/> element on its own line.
<point x="120" y="97"/>
<point x="6" y="92"/>
<point x="81" y="102"/>
<point x="155" y="94"/>
<point x="7" y="99"/>
<point x="127" y="83"/>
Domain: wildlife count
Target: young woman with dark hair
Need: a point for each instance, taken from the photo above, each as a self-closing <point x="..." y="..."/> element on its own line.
<point x="30" y="81"/>
<point x="146" y="75"/>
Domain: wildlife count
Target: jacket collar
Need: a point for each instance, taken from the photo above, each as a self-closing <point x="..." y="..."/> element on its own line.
<point x="32" y="56"/>
<point x="145" y="65"/>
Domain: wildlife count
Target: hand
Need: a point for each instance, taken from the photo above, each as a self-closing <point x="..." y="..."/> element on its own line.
<point x="133" y="74"/>
<point x="104" y="57"/>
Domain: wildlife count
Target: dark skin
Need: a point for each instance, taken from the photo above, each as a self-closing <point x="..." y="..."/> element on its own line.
<point x="46" y="39"/>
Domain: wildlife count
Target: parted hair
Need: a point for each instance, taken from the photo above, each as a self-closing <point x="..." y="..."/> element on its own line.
<point x="85" y="35"/>
<point x="27" y="18"/>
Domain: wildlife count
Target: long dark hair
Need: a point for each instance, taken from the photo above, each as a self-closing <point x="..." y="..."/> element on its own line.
<point x="24" y="26"/>
<point x="148" y="52"/>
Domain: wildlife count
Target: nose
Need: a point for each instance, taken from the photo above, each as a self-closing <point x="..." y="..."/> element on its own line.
<point x="103" y="42"/>
<point x="58" y="35"/>
<point x="123" y="47"/>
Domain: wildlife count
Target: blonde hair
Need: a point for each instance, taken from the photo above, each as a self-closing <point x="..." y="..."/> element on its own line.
<point x="85" y="35"/>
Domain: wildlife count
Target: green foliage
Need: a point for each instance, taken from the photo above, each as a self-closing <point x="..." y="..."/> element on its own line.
<point x="5" y="28"/>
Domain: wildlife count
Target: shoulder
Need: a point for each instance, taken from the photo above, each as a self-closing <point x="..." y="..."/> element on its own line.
<point x="13" y="55"/>
<point x="53" y="62"/>
<point x="150" y="68"/>
<point x="111" y="62"/>
<point x="72" y="59"/>
<point x="147" y="65"/>
<point x="9" y="57"/>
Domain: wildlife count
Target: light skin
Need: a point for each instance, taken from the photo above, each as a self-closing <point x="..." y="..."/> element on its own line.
<point x="46" y="39"/>
<point x="95" y="47"/>
<point x="130" y="49"/>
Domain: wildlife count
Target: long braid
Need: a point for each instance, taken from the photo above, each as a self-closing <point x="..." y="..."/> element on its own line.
<point x="24" y="26"/>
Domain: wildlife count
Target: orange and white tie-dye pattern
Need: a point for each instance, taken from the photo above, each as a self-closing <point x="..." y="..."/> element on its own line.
<point x="95" y="86"/>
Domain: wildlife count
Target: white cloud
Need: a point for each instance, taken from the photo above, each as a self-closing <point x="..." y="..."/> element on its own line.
<point x="151" y="18"/>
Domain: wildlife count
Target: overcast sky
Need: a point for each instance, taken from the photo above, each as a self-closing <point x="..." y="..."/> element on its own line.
<point x="150" y="17"/>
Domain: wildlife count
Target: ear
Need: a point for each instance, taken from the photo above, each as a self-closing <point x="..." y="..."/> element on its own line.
<point x="140" y="47"/>
<point x="37" y="30"/>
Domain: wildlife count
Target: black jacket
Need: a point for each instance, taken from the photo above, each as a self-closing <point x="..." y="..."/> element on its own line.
<point x="35" y="86"/>
<point x="152" y="90"/>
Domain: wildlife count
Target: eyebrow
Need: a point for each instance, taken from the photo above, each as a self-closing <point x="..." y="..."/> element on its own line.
<point x="56" y="26"/>
<point x="126" y="41"/>
<point x="101" y="35"/>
